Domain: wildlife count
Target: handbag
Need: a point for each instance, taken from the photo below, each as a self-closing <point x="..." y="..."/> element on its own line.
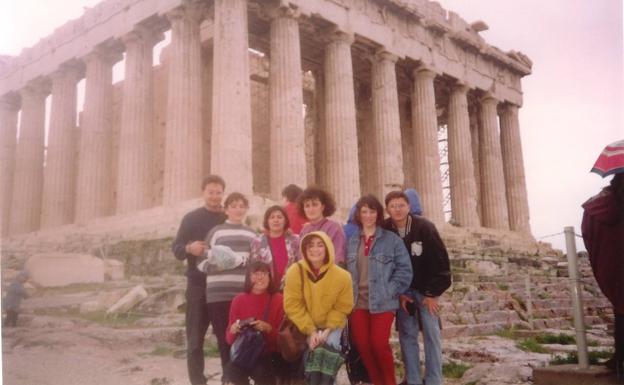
<point x="356" y="371"/>
<point x="322" y="365"/>
<point x="249" y="344"/>
<point x="290" y="341"/>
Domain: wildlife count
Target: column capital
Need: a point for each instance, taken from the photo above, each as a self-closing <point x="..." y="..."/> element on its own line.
<point x="506" y="107"/>
<point x="274" y="11"/>
<point x="488" y="98"/>
<point x="74" y="69"/>
<point x="10" y="100"/>
<point x="109" y="54"/>
<point x="460" y="88"/>
<point x="191" y="12"/>
<point x="382" y="54"/>
<point x="424" y="72"/>
<point x="144" y="33"/>
<point x="37" y="88"/>
<point x="340" y="36"/>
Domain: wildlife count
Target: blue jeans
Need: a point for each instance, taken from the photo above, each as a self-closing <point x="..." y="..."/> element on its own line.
<point x="408" y="338"/>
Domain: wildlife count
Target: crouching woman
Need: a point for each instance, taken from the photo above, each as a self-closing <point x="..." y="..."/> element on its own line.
<point x="260" y="307"/>
<point x="318" y="294"/>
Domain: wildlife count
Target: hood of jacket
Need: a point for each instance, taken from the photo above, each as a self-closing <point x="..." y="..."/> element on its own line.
<point x="329" y="246"/>
<point x="414" y="201"/>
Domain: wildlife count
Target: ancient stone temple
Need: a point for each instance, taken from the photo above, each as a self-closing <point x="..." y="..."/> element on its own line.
<point x="347" y="94"/>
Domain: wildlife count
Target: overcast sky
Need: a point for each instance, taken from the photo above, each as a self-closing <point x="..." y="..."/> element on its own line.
<point x="573" y="101"/>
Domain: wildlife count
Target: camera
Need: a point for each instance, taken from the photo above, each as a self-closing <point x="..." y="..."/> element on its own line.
<point x="246" y="322"/>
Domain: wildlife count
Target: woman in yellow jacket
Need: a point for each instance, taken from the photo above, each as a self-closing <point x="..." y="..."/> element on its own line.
<point x="319" y="308"/>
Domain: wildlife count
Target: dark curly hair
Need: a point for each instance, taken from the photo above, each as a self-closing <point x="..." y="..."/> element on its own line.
<point x="323" y="196"/>
<point x="372" y="203"/>
<point x="271" y="210"/>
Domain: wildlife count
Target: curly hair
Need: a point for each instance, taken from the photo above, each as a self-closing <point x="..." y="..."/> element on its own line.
<point x="372" y="203"/>
<point x="323" y="196"/>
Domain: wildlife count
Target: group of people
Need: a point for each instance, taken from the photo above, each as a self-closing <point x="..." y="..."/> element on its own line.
<point x="330" y="281"/>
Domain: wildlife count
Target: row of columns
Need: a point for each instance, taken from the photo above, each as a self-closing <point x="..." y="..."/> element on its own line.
<point x="500" y="160"/>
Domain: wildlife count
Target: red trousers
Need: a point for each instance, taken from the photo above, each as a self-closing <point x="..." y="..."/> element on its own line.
<point x="371" y="334"/>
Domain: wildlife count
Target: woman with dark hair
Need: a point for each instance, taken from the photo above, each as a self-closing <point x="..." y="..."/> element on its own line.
<point x="248" y="310"/>
<point x="381" y="270"/>
<point x="317" y="205"/>
<point x="290" y="194"/>
<point x="277" y="247"/>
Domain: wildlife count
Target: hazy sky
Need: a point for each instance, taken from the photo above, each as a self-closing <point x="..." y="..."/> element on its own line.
<point x="573" y="101"/>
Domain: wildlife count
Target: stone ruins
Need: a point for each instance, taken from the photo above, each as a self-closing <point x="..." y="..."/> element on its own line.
<point x="346" y="94"/>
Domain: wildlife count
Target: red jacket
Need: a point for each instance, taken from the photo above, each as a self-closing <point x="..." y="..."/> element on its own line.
<point x="603" y="233"/>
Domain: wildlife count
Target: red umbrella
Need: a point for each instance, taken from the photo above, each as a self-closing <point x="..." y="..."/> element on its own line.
<point x="611" y="160"/>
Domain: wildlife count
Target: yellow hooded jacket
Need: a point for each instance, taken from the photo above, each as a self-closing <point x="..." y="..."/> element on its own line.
<point x="325" y="303"/>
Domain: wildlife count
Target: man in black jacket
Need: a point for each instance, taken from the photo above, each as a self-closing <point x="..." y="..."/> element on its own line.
<point x="419" y="305"/>
<point x="188" y="246"/>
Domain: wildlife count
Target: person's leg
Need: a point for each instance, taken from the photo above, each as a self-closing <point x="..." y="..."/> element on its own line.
<point x="196" y="327"/>
<point x="408" y="339"/>
<point x="219" y="317"/>
<point x="263" y="373"/>
<point x="361" y="333"/>
<point x="235" y="374"/>
<point x="432" y="339"/>
<point x="381" y="326"/>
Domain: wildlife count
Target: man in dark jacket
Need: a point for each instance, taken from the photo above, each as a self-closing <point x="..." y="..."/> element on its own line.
<point x="188" y="246"/>
<point x="419" y="305"/>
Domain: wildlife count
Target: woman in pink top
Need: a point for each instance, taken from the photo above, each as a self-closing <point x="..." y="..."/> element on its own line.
<point x="317" y="205"/>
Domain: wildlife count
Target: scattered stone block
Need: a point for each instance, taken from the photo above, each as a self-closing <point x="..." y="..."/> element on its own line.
<point x="61" y="269"/>
<point x="128" y="301"/>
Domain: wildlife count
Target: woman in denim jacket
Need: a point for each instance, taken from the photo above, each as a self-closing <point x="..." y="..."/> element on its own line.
<point x="381" y="271"/>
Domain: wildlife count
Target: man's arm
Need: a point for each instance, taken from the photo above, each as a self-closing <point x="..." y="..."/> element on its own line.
<point x="438" y="260"/>
<point x="183" y="245"/>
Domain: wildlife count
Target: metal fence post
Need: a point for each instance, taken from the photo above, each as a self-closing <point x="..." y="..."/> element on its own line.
<point x="577" y="301"/>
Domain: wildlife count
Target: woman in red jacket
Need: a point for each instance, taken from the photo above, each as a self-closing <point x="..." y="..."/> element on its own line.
<point x="247" y="310"/>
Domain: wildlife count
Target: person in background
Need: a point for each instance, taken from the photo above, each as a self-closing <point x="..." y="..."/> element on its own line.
<point x="13" y="299"/>
<point x="277" y="247"/>
<point x="432" y="276"/>
<point x="223" y="284"/>
<point x="290" y="194"/>
<point x="317" y="205"/>
<point x="603" y="234"/>
<point x="414" y="201"/>
<point x="259" y="295"/>
<point x="318" y="305"/>
<point x="188" y="246"/>
<point x="381" y="271"/>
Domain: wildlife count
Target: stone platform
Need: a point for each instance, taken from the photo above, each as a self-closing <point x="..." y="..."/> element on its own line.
<point x="572" y="375"/>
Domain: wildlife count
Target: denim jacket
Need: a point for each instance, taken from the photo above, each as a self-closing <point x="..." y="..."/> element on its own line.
<point x="389" y="270"/>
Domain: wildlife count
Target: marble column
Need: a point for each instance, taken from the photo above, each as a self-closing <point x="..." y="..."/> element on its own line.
<point x="513" y="167"/>
<point x="183" y="137"/>
<point x="94" y="190"/>
<point x="287" y="156"/>
<point x="320" y="144"/>
<point x="59" y="186"/>
<point x="493" y="200"/>
<point x="461" y="171"/>
<point x="342" y="177"/>
<point x="9" y="108"/>
<point x="426" y="166"/>
<point x="134" y="187"/>
<point x="231" y="103"/>
<point x="28" y="179"/>
<point x="473" y="111"/>
<point x="386" y="124"/>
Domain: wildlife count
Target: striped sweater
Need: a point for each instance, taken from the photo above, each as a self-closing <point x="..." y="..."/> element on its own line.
<point x="223" y="286"/>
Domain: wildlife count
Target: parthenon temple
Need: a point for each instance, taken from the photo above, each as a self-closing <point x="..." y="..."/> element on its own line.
<point x="351" y="95"/>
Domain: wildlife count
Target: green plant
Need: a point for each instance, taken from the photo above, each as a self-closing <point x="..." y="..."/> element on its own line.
<point x="161" y="350"/>
<point x="502" y="286"/>
<point x="454" y="369"/>
<point x="211" y="350"/>
<point x="561" y="339"/>
<point x="509" y="333"/>
<point x="595" y="358"/>
<point x="530" y="345"/>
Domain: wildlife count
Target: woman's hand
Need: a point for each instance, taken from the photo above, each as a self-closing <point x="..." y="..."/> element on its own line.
<point x="235" y="328"/>
<point x="318" y="338"/>
<point x="262" y="326"/>
<point x="323" y="336"/>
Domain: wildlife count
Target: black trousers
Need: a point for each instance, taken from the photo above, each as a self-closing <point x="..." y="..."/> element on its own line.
<point x="196" y="322"/>
<point x="263" y="373"/>
<point x="218" y="316"/>
<point x="10" y="320"/>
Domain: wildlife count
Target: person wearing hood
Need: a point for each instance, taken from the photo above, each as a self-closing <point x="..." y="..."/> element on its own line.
<point x="381" y="271"/>
<point x="319" y="305"/>
<point x="350" y="228"/>
<point x="414" y="201"/>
